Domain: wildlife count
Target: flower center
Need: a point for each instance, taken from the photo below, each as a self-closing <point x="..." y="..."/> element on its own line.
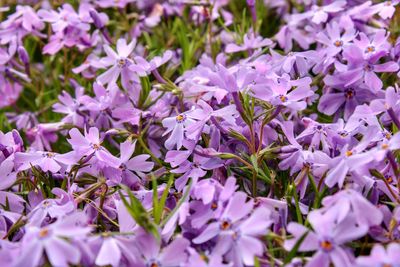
<point x="338" y="43"/>
<point x="96" y="146"/>
<point x="388" y="3"/>
<point x="180" y="118"/>
<point x="307" y="165"/>
<point x="204" y="258"/>
<point x="122" y="167"/>
<point x="369" y="67"/>
<point x="43" y="232"/>
<point x="214" y="206"/>
<point x="370" y="49"/>
<point x="349" y="153"/>
<point x="46" y="204"/>
<point x="121" y="62"/>
<point x="385" y="146"/>
<point x="389" y="179"/>
<point x="349" y="93"/>
<point x="283" y="98"/>
<point x="154" y="263"/>
<point x="49" y="155"/>
<point x="326" y="245"/>
<point x="225" y="225"/>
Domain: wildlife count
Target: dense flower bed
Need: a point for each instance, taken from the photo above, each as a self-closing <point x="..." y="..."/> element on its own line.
<point x="199" y="133"/>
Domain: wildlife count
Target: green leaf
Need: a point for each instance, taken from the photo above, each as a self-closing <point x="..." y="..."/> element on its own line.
<point x="253" y="159"/>
<point x="298" y="211"/>
<point x="144" y="93"/>
<point x="163" y="199"/>
<point x="237" y="135"/>
<point x="138" y="212"/>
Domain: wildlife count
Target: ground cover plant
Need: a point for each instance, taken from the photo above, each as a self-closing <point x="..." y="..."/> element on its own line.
<point x="199" y="133"/>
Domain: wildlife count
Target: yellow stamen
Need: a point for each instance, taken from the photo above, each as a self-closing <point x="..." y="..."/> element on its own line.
<point x="43" y="232"/>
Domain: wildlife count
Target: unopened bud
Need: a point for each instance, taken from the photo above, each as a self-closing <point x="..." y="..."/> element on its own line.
<point x="251" y="2"/>
<point x="98" y="23"/>
<point x="23" y="55"/>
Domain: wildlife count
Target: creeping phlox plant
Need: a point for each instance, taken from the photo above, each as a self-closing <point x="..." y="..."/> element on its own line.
<point x="194" y="133"/>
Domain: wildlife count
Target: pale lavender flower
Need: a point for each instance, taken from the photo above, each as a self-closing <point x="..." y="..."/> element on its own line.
<point x="47" y="161"/>
<point x="249" y="43"/>
<point x="327" y="239"/>
<point x="386" y="9"/>
<point x="236" y="231"/>
<point x="177" y="126"/>
<point x="380" y="256"/>
<point x="320" y="14"/>
<point x="51" y="240"/>
<point x="113" y="250"/>
<point x="90" y="144"/>
<point x="119" y="62"/>
<point x="151" y="254"/>
<point x="131" y="169"/>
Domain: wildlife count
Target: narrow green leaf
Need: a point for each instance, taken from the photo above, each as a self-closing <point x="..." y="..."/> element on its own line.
<point x="253" y="159"/>
<point x="139" y="213"/>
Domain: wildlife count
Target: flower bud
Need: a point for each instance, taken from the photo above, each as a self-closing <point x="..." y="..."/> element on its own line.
<point x="23" y="55"/>
<point x="98" y="23"/>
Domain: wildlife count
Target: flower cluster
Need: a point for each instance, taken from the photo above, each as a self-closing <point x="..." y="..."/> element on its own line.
<point x="199" y="133"/>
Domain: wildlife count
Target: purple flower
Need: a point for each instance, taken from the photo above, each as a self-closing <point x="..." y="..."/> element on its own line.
<point x="373" y="45"/>
<point x="10" y="91"/>
<point x="150" y="253"/>
<point x="7" y="174"/>
<point x="119" y="62"/>
<point x="319" y="14"/>
<point x="113" y="3"/>
<point x="26" y="18"/>
<point x="204" y="113"/>
<point x="113" y="250"/>
<point x="348" y="201"/>
<point x="70" y="107"/>
<point x="386" y="9"/>
<point x="249" y="43"/>
<point x="47" y="161"/>
<point x="205" y="260"/>
<point x="177" y="126"/>
<point x="131" y="168"/>
<point x="51" y="240"/>
<point x="366" y="69"/>
<point x="90" y="145"/>
<point x="381" y="257"/>
<point x="236" y="231"/>
<point x="340" y="99"/>
<point x="334" y="39"/>
<point x="52" y="208"/>
<point x="327" y="239"/>
<point x="350" y="160"/>
<point x="281" y="93"/>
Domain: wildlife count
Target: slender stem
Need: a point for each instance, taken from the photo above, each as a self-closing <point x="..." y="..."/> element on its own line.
<point x="254" y="183"/>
